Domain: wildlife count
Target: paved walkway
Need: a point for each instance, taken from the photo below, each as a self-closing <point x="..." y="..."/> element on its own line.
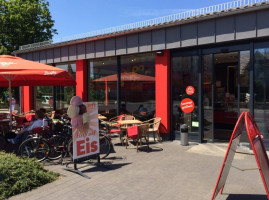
<point x="168" y="172"/>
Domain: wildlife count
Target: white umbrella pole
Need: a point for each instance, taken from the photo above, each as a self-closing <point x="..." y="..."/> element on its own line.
<point x="10" y="104"/>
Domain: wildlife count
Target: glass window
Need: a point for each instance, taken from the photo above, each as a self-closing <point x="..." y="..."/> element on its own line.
<point x="138" y="85"/>
<point x="207" y="96"/>
<point x="65" y="93"/>
<point x="4" y="98"/>
<point x="43" y="95"/>
<point x="185" y="73"/>
<point x="244" y="81"/>
<point x="261" y="90"/>
<point x="102" y="87"/>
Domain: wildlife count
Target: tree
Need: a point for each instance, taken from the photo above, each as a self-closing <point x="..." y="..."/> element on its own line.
<point x="24" y="22"/>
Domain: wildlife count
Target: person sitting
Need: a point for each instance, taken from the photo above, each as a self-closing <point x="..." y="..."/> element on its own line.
<point x="43" y="110"/>
<point x="39" y="122"/>
<point x="142" y="112"/>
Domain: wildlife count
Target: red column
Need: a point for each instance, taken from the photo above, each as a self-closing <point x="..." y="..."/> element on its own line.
<point x="162" y="89"/>
<point x="81" y="79"/>
<point x="27" y="98"/>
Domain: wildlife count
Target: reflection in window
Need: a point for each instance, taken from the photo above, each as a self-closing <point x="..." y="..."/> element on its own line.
<point x="138" y="84"/>
<point x="102" y="87"/>
<point x="65" y="93"/>
<point x="207" y="96"/>
<point x="244" y="81"/>
<point x="43" y="95"/>
<point x="43" y="98"/>
<point x="261" y="90"/>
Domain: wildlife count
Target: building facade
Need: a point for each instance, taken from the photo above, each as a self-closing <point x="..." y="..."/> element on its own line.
<point x="222" y="52"/>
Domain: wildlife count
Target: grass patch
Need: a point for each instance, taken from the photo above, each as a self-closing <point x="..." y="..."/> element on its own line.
<point x="18" y="175"/>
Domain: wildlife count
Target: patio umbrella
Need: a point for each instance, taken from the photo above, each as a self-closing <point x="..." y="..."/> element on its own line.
<point x="125" y="77"/>
<point x="15" y="71"/>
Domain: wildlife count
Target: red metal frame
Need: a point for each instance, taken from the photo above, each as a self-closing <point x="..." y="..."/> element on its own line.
<point x="253" y="132"/>
<point x="251" y="129"/>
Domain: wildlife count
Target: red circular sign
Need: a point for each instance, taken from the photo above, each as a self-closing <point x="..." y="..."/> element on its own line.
<point x="187" y="105"/>
<point x="190" y="90"/>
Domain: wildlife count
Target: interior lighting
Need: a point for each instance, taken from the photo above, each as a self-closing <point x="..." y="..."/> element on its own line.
<point x="159" y="53"/>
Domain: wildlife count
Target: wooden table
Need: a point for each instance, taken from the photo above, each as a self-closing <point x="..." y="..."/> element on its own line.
<point x="101" y="117"/>
<point x="124" y="124"/>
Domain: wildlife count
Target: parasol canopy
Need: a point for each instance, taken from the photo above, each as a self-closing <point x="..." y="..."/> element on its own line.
<point x="15" y="71"/>
<point x="126" y="76"/>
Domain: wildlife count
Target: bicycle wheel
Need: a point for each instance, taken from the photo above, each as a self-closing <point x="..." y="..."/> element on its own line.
<point x="70" y="148"/>
<point x="34" y="148"/>
<point x="58" y="148"/>
<point x="104" y="146"/>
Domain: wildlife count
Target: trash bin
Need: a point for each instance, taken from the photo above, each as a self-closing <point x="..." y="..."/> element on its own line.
<point x="184" y="135"/>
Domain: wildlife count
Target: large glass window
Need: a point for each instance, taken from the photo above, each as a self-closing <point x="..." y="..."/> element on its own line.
<point x="102" y="87"/>
<point x="185" y="73"/>
<point x="65" y="93"/>
<point x="207" y="96"/>
<point x="244" y="80"/>
<point x="261" y="90"/>
<point x="138" y="84"/>
<point x="43" y="95"/>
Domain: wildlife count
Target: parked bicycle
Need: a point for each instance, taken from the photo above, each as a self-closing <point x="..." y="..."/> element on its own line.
<point x="42" y="145"/>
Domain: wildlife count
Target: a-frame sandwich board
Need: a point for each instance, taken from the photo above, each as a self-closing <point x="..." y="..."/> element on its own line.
<point x="255" y="139"/>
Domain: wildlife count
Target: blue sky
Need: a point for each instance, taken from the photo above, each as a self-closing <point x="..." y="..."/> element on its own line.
<point x="74" y="17"/>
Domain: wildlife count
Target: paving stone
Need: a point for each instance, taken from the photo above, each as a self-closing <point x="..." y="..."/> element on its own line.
<point x="168" y="171"/>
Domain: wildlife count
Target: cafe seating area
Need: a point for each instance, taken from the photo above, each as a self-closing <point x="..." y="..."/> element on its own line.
<point x="129" y="128"/>
<point x="124" y="130"/>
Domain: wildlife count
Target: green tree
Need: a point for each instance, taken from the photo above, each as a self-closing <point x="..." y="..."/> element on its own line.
<point x="24" y="22"/>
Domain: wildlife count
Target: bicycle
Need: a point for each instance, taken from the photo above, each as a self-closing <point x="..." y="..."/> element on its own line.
<point x="42" y="145"/>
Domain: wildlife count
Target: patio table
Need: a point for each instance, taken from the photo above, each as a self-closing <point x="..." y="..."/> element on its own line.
<point x="124" y="124"/>
<point x="101" y="117"/>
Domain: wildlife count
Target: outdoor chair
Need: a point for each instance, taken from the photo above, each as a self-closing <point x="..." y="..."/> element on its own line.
<point x="136" y="133"/>
<point x="128" y="117"/>
<point x="19" y="122"/>
<point x="109" y="127"/>
<point x="154" y="125"/>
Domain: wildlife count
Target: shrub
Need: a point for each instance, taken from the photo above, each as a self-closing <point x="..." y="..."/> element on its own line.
<point x="18" y="175"/>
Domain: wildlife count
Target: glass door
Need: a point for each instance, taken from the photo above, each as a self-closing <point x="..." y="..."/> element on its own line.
<point x="225" y="92"/>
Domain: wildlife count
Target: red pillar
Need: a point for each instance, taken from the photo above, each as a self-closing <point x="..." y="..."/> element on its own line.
<point x="27" y="98"/>
<point x="81" y="79"/>
<point x="162" y="89"/>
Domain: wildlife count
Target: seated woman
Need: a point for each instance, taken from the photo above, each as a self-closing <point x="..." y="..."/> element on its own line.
<point x="39" y="122"/>
<point x="142" y="112"/>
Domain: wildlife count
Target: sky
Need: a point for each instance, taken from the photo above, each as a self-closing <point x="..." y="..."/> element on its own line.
<point x="73" y="17"/>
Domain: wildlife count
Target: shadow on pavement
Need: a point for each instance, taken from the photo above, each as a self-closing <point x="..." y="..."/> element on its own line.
<point x="105" y="166"/>
<point x="246" y="197"/>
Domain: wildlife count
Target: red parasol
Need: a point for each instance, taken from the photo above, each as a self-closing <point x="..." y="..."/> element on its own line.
<point x="15" y="71"/>
<point x="126" y="77"/>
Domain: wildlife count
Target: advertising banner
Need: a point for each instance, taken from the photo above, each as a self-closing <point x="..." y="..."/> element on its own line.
<point x="86" y="136"/>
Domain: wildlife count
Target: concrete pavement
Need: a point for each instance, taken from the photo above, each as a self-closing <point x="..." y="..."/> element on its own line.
<point x="168" y="171"/>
